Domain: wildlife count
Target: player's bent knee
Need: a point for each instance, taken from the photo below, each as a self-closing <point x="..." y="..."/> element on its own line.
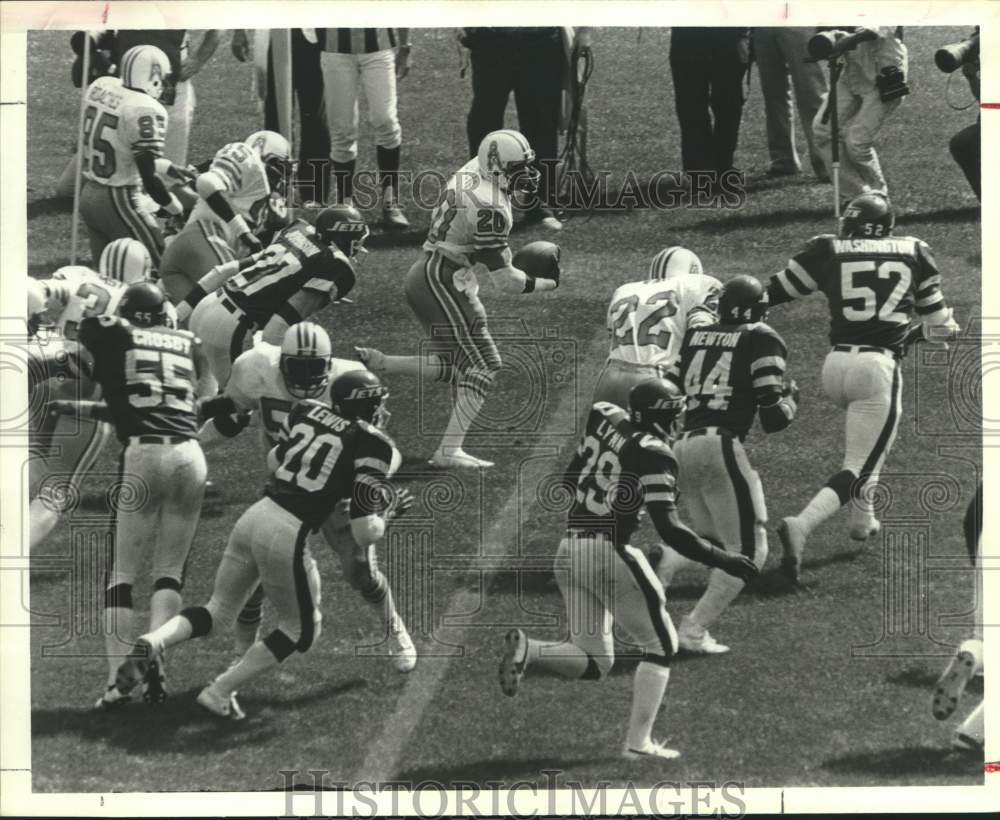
<point x="201" y="620"/>
<point x="118" y="596"/>
<point x="598" y="667"/>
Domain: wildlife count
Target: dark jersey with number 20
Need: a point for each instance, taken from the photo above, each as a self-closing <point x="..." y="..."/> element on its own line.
<point x="324" y="458"/>
<point x="873" y="286"/>
<point x="726" y="372"/>
<point x="147" y="375"/>
<point x="615" y="471"/>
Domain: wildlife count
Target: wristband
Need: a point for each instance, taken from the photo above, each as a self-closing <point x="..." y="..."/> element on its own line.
<point x="239" y="225"/>
<point x="162" y="166"/>
<point x="174" y="207"/>
<point x="529" y="283"/>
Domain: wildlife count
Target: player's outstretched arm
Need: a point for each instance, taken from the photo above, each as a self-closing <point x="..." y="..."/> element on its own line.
<point x="96" y="410"/>
<point x="145" y="161"/>
<point x="675" y="534"/>
<point x="214" y="279"/>
<point x="210" y="187"/>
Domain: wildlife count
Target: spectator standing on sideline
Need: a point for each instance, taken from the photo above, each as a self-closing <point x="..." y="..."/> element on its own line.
<point x="708" y="66"/>
<point x="307" y="81"/>
<point x="532" y="63"/>
<point x="374" y="59"/>
<point x="781" y="55"/>
<point x="871" y="87"/>
<point x="966" y="144"/>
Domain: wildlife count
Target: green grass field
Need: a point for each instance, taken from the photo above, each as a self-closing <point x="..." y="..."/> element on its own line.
<point x="827" y="687"/>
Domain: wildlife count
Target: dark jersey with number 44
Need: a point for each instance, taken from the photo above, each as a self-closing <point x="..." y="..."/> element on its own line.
<point x="873" y="286"/>
<point x="615" y="471"/>
<point x="726" y="372"/>
<point x="147" y="374"/>
<point x="296" y="260"/>
<point x="324" y="458"/>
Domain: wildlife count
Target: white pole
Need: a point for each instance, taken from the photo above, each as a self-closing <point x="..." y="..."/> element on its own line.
<point x="77" y="183"/>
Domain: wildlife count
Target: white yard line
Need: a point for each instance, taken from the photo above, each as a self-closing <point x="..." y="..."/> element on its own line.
<point x="423" y="683"/>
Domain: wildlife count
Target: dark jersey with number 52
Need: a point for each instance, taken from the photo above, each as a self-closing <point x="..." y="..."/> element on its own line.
<point x="615" y="471"/>
<point x="324" y="458"/>
<point x="296" y="260"/>
<point x="872" y="286"/>
<point x="726" y="372"/>
<point x="147" y="374"/>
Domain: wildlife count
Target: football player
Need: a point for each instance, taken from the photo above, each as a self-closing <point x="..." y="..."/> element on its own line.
<point x="303" y="270"/>
<point x="64" y="449"/>
<point x="968" y="659"/>
<point x="126" y="260"/>
<point x="150" y="378"/>
<point x="647" y="319"/>
<point x="874" y="283"/>
<point x="234" y="196"/>
<point x="331" y="470"/>
<point x="731" y="372"/>
<point x="623" y="463"/>
<point x="123" y="135"/>
<point x="468" y="235"/>
<point x="270" y="380"/>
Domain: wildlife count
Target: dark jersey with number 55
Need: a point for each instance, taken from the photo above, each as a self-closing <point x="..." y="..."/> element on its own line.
<point x="616" y="469"/>
<point x="148" y="376"/>
<point x="726" y="372"/>
<point x="873" y="286"/>
<point x="296" y="260"/>
<point x="324" y="458"/>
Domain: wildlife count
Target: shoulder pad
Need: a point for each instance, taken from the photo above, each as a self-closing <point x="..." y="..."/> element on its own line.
<point x="655" y="445"/>
<point x="606" y="408"/>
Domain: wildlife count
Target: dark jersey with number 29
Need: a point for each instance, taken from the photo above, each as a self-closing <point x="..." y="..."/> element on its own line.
<point x="873" y="286"/>
<point x="147" y="375"/>
<point x="324" y="458"/>
<point x="615" y="471"/>
<point x="296" y="260"/>
<point x="726" y="372"/>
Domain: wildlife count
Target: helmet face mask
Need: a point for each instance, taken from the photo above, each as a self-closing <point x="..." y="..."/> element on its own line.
<point x="343" y="227"/>
<point x="276" y="154"/>
<point x="305" y="360"/>
<point x="656" y="405"/>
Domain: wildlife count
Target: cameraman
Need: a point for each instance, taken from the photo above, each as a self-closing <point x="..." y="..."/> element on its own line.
<point x="870" y="88"/>
<point x="965" y="145"/>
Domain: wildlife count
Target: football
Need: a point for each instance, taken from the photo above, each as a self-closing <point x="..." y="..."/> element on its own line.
<point x="539" y="259"/>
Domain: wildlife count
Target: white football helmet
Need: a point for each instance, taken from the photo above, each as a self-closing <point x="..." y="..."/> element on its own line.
<point x="269" y="145"/>
<point x="125" y="260"/>
<point x="674" y="261"/>
<point x="305" y="360"/>
<point x="145" y="68"/>
<point x="506" y="158"/>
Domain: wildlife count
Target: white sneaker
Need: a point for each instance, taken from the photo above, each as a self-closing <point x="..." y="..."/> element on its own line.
<point x="862" y="531"/>
<point x="371" y="358"/>
<point x="458" y="458"/>
<point x="651" y="749"/>
<point x="951" y="684"/>
<point x="703" y="644"/>
<point x="404" y="653"/>
<point x="218" y="704"/>
<point x="793" y="541"/>
<point x="512" y="662"/>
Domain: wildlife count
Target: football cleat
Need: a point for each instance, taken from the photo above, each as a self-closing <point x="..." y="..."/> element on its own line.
<point x="513" y="661"/>
<point x="404" y="653"/>
<point x="221" y="705"/>
<point x="703" y="644"/>
<point x="112" y="699"/>
<point x="459" y="459"/>
<point x="793" y="542"/>
<point x="863" y="531"/>
<point x="133" y="669"/>
<point x="651" y="749"/>
<point x="393" y="217"/>
<point x="951" y="684"/>
<point x="154" y="690"/>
